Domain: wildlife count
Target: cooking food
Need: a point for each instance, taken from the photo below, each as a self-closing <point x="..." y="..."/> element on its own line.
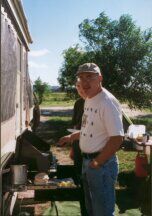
<point x="139" y="138"/>
<point x="66" y="184"/>
<point x="41" y="178"/>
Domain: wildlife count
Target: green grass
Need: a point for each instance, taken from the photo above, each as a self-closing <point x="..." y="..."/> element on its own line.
<point x="73" y="209"/>
<point x="60" y="125"/>
<point x="54" y="128"/>
<point x="57" y="99"/>
<point x="126" y="160"/>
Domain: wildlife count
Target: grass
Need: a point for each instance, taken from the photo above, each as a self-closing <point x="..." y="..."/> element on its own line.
<point x="73" y="209"/>
<point x="54" y="128"/>
<point x="126" y="160"/>
<point x="57" y="99"/>
<point x="60" y="125"/>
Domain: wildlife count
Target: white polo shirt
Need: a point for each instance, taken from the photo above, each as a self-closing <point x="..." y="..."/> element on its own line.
<point x="102" y="118"/>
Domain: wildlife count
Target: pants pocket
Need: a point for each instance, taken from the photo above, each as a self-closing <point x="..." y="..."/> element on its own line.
<point x="111" y="170"/>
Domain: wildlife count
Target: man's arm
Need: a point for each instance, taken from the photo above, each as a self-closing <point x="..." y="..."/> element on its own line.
<point x="69" y="138"/>
<point x="109" y="149"/>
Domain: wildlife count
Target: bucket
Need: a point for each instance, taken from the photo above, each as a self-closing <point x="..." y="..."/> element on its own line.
<point x="141" y="163"/>
<point x="136" y="131"/>
<point x="19" y="174"/>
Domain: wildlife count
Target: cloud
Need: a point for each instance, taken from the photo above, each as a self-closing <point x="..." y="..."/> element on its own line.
<point x="39" y="52"/>
<point x="35" y="65"/>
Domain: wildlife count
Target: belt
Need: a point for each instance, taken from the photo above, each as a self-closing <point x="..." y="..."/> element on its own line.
<point x="90" y="155"/>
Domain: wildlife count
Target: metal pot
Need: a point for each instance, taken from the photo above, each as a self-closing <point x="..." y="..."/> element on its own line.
<point x="19" y="174"/>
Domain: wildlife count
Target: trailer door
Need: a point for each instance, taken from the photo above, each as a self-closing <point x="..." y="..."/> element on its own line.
<point x="18" y="107"/>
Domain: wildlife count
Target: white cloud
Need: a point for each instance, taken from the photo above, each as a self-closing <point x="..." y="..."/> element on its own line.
<point x="35" y="65"/>
<point x="38" y="53"/>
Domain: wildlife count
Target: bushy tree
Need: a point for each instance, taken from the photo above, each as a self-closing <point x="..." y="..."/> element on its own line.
<point x="40" y="88"/>
<point x="73" y="57"/>
<point x="124" y="54"/>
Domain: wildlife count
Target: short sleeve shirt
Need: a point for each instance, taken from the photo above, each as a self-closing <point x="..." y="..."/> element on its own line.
<point x="102" y="119"/>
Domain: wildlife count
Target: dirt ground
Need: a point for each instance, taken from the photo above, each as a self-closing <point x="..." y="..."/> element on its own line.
<point x="130" y="112"/>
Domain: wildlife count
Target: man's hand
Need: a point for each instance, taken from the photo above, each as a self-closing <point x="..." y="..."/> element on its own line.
<point x="94" y="164"/>
<point x="64" y="140"/>
<point x="69" y="138"/>
<point x="111" y="147"/>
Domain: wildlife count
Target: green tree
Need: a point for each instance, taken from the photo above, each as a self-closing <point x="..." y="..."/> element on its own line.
<point x="73" y="57"/>
<point x="124" y="54"/>
<point x="40" y="88"/>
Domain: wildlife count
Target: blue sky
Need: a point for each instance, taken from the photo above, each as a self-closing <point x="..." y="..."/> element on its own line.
<point x="53" y="25"/>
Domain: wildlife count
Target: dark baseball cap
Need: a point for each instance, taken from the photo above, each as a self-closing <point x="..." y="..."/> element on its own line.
<point x="89" y="68"/>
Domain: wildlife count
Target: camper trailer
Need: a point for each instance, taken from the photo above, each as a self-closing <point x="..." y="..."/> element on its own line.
<point x="23" y="154"/>
<point x="16" y="89"/>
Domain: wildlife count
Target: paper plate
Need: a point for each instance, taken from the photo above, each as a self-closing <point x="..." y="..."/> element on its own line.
<point x="72" y="130"/>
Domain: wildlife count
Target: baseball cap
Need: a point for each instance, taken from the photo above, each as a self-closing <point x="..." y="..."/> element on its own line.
<point x="89" y="68"/>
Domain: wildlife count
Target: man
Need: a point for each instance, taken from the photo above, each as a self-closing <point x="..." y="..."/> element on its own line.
<point x="78" y="110"/>
<point x="75" y="149"/>
<point x="100" y="136"/>
<point x="78" y="107"/>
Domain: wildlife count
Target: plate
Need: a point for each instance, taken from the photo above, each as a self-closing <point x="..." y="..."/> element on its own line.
<point x="72" y="130"/>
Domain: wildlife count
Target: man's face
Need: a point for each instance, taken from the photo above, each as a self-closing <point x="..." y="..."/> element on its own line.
<point x="90" y="83"/>
<point x="80" y="90"/>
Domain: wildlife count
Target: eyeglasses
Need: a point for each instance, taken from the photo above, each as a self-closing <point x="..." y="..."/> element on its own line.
<point x="86" y="79"/>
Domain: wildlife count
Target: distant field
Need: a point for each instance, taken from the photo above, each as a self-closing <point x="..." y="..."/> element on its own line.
<point x="57" y="99"/>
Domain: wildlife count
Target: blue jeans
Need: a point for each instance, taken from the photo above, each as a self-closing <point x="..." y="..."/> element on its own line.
<point x="99" y="187"/>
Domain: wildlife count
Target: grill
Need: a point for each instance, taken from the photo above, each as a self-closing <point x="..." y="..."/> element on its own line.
<point x="35" y="153"/>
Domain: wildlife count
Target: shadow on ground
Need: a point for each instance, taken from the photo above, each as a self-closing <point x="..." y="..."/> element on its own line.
<point x="144" y="116"/>
<point x="52" y="130"/>
<point x="56" y="112"/>
<point x="133" y="193"/>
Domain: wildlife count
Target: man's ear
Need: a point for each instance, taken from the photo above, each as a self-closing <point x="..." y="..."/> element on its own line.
<point x="100" y="78"/>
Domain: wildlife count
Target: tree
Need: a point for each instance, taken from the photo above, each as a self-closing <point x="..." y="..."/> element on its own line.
<point x="40" y="88"/>
<point x="123" y="52"/>
<point x="73" y="57"/>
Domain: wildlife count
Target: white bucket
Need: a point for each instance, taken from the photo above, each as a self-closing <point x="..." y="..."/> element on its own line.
<point x="134" y="131"/>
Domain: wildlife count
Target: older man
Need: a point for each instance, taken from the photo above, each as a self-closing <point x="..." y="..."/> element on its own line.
<point x="100" y="136"/>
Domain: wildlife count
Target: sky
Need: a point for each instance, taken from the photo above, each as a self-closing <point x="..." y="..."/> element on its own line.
<point x="53" y="25"/>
